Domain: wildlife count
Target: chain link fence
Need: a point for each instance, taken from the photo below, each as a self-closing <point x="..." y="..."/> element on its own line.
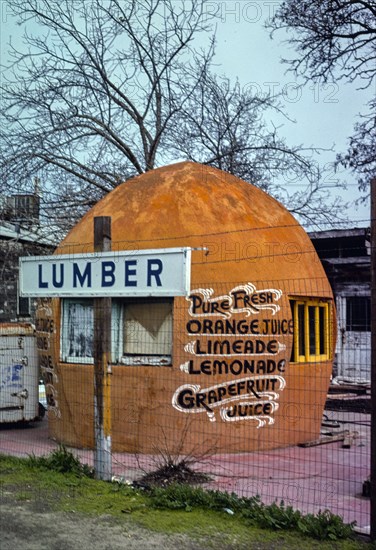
<point x="235" y="381"/>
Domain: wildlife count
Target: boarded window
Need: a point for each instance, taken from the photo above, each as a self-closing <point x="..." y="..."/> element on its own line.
<point x="147" y="337"/>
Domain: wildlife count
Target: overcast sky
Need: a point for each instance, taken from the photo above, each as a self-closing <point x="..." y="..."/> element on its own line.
<point x="324" y="114"/>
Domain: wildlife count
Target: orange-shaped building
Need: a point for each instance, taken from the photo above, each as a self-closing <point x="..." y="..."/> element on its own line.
<point x="242" y="363"/>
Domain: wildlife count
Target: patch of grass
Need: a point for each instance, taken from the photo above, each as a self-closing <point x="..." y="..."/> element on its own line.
<point x="197" y="513"/>
<point x="61" y="460"/>
<point x="28" y="481"/>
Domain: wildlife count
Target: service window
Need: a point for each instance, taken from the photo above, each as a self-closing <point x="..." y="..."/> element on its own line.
<point x="141" y="331"/>
<point x="77" y="330"/>
<point x="147" y="332"/>
<point x="311" y="330"/>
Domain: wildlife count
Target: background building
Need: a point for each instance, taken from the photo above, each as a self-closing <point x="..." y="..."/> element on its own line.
<point x="345" y="255"/>
<point x="21" y="234"/>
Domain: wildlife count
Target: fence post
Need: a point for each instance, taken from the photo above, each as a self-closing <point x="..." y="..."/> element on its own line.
<point x="373" y="359"/>
<point x="102" y="363"/>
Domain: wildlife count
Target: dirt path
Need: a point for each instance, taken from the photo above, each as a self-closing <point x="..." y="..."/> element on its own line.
<point x="23" y="527"/>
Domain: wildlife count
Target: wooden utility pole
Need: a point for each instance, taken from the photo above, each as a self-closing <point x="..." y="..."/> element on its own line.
<point x="102" y="363"/>
<point x="373" y="359"/>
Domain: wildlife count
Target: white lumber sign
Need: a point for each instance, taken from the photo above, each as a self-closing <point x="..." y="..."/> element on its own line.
<point x="159" y="272"/>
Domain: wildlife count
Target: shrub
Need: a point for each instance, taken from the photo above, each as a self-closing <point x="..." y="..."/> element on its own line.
<point x="323" y="525"/>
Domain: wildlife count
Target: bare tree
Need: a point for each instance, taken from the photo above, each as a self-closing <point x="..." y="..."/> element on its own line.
<point x="225" y="126"/>
<point x="336" y="39"/>
<point x="109" y="89"/>
<point x="361" y="155"/>
<point x="93" y="95"/>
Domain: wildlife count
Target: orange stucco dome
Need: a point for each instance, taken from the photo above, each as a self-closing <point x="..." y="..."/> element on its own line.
<point x="245" y="244"/>
<point x="189" y="204"/>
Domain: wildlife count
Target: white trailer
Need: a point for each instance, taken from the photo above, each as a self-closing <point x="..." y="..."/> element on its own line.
<point x="19" y="373"/>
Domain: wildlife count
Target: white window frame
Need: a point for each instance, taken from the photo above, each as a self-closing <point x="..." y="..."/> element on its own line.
<point x="117" y="335"/>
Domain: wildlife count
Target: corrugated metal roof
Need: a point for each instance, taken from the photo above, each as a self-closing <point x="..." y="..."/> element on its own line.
<point x="39" y="234"/>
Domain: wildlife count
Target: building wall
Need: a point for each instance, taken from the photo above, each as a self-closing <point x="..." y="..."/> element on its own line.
<point x="345" y="255"/>
<point x="10" y="251"/>
<point x="242" y="238"/>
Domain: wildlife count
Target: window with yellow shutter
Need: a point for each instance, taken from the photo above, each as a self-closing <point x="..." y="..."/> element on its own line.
<point x="312" y="332"/>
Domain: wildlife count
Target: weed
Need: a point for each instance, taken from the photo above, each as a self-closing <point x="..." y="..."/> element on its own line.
<point x="321" y="526"/>
<point x="324" y="525"/>
<point x="172" y="473"/>
<point x="277" y="516"/>
<point x="172" y="466"/>
<point x="61" y="460"/>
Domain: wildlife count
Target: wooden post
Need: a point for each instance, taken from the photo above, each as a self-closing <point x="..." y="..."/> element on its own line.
<point x="373" y="359"/>
<point x="102" y="363"/>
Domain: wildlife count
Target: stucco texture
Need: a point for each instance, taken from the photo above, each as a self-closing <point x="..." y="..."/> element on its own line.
<point x="240" y="235"/>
